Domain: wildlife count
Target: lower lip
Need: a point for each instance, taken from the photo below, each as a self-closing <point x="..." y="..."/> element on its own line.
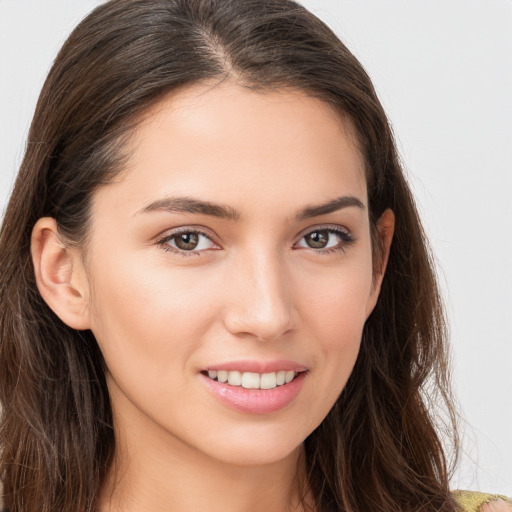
<point x="255" y="401"/>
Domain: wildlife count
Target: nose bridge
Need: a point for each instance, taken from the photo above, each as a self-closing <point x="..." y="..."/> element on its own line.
<point x="262" y="305"/>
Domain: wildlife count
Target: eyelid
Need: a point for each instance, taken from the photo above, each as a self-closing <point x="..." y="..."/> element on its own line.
<point x="324" y="227"/>
<point x="170" y="234"/>
<point x="346" y="237"/>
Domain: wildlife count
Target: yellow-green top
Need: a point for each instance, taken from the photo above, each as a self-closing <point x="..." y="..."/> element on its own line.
<point x="471" y="501"/>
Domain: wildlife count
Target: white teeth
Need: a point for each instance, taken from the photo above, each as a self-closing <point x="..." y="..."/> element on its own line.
<point x="289" y="376"/>
<point x="268" y="381"/>
<point x="234" y="378"/>
<point x="251" y="380"/>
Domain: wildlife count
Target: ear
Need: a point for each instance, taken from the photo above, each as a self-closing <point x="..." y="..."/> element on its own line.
<point x="60" y="274"/>
<point x="385" y="231"/>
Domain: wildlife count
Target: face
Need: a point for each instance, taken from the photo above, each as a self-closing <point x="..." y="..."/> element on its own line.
<point x="236" y="245"/>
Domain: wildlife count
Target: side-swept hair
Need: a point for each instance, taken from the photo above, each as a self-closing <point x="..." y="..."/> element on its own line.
<point x="379" y="448"/>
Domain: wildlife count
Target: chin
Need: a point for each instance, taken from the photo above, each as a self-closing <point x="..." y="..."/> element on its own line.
<point x="254" y="448"/>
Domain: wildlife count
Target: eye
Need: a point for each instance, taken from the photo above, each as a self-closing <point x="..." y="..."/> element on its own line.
<point x="187" y="241"/>
<point x="329" y="239"/>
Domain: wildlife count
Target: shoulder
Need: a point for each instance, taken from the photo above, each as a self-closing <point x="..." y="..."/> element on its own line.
<point x="470" y="501"/>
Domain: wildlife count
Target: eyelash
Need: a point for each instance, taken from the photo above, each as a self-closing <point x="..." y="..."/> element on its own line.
<point x="164" y="242"/>
<point x="346" y="239"/>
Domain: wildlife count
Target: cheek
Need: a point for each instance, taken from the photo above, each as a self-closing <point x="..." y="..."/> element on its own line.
<point x="338" y="322"/>
<point x="333" y="314"/>
<point x="145" y="316"/>
<point x="336" y="301"/>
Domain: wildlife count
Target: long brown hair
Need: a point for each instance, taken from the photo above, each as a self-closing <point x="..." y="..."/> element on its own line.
<point x="379" y="448"/>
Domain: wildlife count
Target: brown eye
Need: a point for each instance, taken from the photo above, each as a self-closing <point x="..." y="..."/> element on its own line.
<point x="187" y="241"/>
<point x="326" y="240"/>
<point x="317" y="239"/>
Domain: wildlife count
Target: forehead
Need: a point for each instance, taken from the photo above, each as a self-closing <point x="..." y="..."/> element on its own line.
<point x="228" y="143"/>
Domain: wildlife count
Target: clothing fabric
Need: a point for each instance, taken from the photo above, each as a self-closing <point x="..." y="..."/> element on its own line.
<point x="471" y="501"/>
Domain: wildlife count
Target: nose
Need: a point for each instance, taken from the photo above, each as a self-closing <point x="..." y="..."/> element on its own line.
<point x="261" y="299"/>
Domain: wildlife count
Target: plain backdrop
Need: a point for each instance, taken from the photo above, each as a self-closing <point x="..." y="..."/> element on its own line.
<point x="443" y="70"/>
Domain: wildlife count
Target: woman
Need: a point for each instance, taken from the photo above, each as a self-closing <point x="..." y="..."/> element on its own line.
<point x="216" y="292"/>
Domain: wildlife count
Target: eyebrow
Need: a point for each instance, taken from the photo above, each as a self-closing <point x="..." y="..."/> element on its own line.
<point x="330" y="207"/>
<point x="192" y="205"/>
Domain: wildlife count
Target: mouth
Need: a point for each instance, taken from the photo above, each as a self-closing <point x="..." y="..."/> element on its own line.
<point x="252" y="380"/>
<point x="250" y="392"/>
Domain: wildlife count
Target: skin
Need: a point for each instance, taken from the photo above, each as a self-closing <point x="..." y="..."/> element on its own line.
<point x="497" y="506"/>
<point x="253" y="290"/>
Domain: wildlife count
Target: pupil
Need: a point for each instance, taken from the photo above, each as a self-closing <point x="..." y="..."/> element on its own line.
<point x="187" y="241"/>
<point x="317" y="239"/>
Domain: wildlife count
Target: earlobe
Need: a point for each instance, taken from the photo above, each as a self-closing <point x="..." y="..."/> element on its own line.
<point x="385" y="232"/>
<point x="59" y="273"/>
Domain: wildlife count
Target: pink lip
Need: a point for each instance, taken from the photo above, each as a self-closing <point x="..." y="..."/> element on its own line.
<point x="255" y="401"/>
<point x="258" y="366"/>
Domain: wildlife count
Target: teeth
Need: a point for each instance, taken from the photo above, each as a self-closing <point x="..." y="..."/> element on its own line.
<point x="268" y="381"/>
<point x="250" y="380"/>
<point x="234" y="378"/>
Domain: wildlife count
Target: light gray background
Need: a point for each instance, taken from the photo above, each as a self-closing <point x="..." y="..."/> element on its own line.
<point x="443" y="70"/>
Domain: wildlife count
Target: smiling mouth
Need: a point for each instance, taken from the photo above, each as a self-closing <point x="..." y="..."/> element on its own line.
<point x="251" y="380"/>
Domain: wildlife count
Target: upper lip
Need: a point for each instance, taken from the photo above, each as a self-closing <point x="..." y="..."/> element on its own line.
<point x="258" y="366"/>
